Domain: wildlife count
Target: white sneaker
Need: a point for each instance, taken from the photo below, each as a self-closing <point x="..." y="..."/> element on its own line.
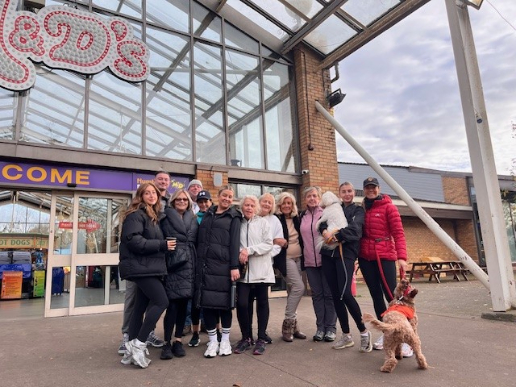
<point x="138" y="350"/>
<point x="225" y="348"/>
<point x="365" y="342"/>
<point x="378" y="344"/>
<point x="406" y="350"/>
<point x="213" y="348"/>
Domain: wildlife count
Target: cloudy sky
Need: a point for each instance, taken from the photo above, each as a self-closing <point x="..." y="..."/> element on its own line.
<point x="403" y="103"/>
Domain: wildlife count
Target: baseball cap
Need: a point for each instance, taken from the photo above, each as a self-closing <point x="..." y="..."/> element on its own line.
<point x="203" y="195"/>
<point x="195" y="181"/>
<point x="371" y="181"/>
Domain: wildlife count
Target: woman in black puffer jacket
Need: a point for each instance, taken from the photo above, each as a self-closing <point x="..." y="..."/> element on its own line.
<point x="181" y="223"/>
<point x="218" y="248"/>
<point x="142" y="260"/>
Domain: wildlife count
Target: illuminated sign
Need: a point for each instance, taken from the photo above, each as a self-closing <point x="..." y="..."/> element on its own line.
<point x="66" y="38"/>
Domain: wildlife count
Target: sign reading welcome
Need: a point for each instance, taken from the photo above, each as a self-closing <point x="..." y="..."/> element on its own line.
<point x="66" y="38"/>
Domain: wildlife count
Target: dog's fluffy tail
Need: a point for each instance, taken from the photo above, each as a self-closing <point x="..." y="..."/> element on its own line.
<point x="381" y="326"/>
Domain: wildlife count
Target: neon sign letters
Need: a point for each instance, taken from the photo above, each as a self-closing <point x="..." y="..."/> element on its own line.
<point x="66" y="38"/>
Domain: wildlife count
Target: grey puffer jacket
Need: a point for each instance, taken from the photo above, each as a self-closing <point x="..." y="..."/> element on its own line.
<point x="142" y="247"/>
<point x="179" y="283"/>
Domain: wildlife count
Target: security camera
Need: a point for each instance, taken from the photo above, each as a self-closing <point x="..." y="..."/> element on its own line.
<point x="305" y="171"/>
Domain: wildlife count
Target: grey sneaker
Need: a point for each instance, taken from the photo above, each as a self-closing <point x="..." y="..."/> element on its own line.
<point x="345" y="341"/>
<point x="365" y="342"/>
<point x="319" y="336"/>
<point x="330" y="336"/>
<point x="406" y="350"/>
<point x="122" y="349"/>
<point x="154" y="340"/>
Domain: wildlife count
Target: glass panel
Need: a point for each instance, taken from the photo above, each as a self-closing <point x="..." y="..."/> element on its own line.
<point x="124" y="7"/>
<point x="25" y="212"/>
<point x="367" y="11"/>
<point x="115" y="116"/>
<point x="169" y="13"/>
<point x="330" y="34"/>
<point x="294" y="15"/>
<point x="60" y="287"/>
<point x="206" y="24"/>
<point x="98" y="225"/>
<point x="281" y="146"/>
<point x="209" y="105"/>
<point x="8" y="102"/>
<point x="255" y="18"/>
<point x="116" y="295"/>
<point x="246" y="189"/>
<point x="55" y="109"/>
<point x="63" y="226"/>
<point x="244" y="110"/>
<point x="93" y="283"/>
<point x="236" y="38"/>
<point x="169" y="128"/>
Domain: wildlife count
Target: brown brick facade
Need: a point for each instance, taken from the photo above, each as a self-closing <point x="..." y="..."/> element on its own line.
<point x="455" y="190"/>
<point x="317" y="136"/>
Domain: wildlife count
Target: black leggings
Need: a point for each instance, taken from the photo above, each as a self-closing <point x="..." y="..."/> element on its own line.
<point x="176" y="315"/>
<point x="151" y="300"/>
<point x="212" y="317"/>
<point x="374" y="282"/>
<point x="339" y="277"/>
<point x="261" y="292"/>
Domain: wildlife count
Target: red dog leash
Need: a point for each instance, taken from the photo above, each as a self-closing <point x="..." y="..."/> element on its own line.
<point x="380" y="268"/>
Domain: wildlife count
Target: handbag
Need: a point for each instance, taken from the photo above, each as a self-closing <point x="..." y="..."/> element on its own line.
<point x="175" y="259"/>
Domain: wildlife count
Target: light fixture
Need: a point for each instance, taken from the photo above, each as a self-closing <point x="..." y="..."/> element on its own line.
<point x="335" y="97"/>
<point x="473" y="3"/>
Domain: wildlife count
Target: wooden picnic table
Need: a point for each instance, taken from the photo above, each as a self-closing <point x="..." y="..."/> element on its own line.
<point x="435" y="269"/>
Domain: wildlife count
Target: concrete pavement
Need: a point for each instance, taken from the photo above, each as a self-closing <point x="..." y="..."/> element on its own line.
<point x="462" y="349"/>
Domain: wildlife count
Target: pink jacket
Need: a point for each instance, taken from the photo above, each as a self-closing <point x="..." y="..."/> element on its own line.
<point x="309" y="234"/>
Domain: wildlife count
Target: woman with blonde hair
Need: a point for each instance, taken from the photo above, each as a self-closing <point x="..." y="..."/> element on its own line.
<point x="180" y="223"/>
<point x="142" y="260"/>
<point x="289" y="263"/>
<point x="255" y="255"/>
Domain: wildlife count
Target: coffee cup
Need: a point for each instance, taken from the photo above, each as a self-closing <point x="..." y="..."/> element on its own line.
<point x="172" y="239"/>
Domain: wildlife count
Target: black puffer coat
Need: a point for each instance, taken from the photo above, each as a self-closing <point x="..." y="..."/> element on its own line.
<point x="179" y="283"/>
<point x="218" y="247"/>
<point x="280" y="260"/>
<point x="142" y="247"/>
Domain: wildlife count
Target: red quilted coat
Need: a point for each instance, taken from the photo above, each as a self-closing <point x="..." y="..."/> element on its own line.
<point x="383" y="232"/>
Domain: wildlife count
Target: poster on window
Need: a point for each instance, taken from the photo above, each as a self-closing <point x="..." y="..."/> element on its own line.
<point x="11" y="285"/>
<point x="39" y="283"/>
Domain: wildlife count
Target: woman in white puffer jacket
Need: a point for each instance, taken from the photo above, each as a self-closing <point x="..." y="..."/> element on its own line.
<point x="256" y="257"/>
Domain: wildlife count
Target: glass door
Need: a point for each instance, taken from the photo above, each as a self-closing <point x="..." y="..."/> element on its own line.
<point x="83" y="258"/>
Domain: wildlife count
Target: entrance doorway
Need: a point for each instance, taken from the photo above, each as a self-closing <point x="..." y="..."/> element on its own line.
<point x="69" y="241"/>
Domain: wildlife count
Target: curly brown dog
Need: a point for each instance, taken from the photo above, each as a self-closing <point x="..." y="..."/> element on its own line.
<point x="399" y="326"/>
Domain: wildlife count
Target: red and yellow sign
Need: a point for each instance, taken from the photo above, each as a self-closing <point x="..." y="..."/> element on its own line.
<point x="21" y="242"/>
<point x="11" y="285"/>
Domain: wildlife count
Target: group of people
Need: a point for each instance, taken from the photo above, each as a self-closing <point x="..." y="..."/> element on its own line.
<point x="221" y="258"/>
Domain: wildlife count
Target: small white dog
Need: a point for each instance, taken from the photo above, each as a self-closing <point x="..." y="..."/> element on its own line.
<point x="333" y="216"/>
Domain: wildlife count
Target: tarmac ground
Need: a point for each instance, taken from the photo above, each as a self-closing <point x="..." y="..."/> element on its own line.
<point x="461" y="347"/>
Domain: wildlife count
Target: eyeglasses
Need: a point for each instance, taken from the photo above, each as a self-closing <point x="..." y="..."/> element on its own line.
<point x="181" y="200"/>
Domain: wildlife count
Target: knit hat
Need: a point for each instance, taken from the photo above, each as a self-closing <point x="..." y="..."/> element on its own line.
<point x="195" y="181"/>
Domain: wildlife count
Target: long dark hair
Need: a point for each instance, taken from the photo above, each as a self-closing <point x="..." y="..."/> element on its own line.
<point x="137" y="203"/>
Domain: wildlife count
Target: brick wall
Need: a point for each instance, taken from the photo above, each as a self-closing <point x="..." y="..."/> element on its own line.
<point x="421" y="242"/>
<point x="317" y="136"/>
<point x="206" y="177"/>
<point x="455" y="190"/>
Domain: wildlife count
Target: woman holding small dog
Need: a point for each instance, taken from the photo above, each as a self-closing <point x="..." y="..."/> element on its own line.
<point x="338" y="265"/>
<point x="382" y="244"/>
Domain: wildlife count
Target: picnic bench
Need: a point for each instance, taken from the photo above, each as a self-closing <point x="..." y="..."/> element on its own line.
<point x="434" y="268"/>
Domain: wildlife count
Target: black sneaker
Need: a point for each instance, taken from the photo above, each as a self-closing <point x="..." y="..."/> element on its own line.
<point x="242" y="346"/>
<point x="195" y="340"/>
<point x="267" y="338"/>
<point x="177" y="349"/>
<point x="166" y="352"/>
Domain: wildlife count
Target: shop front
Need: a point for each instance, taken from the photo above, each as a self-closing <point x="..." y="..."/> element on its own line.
<point x="59" y="245"/>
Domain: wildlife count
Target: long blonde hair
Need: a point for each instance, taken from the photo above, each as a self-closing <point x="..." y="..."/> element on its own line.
<point x="137" y="203"/>
<point x="281" y="198"/>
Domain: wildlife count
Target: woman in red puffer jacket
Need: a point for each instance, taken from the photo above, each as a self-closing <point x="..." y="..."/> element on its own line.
<point x="382" y="244"/>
